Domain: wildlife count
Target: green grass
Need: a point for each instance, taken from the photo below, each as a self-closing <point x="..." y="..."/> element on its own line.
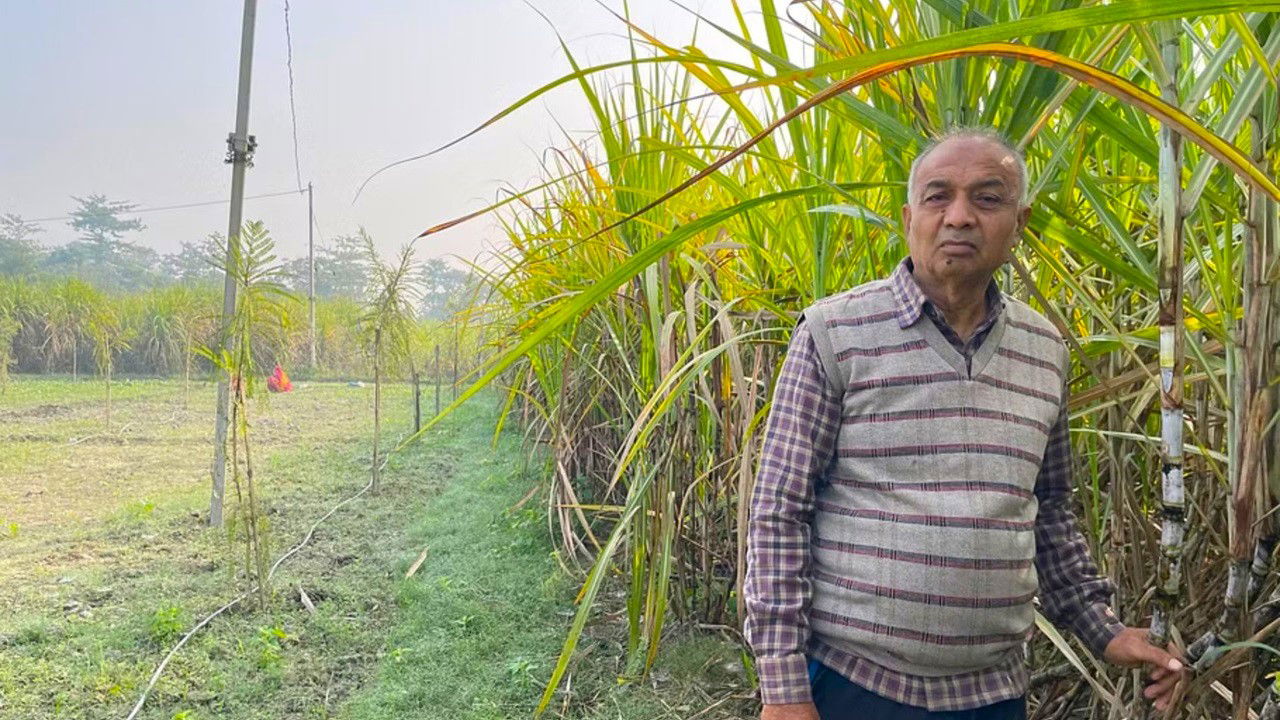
<point x="97" y="603"/>
<point x="482" y="621"/>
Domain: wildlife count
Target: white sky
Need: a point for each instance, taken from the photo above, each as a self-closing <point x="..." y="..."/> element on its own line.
<point x="134" y="99"/>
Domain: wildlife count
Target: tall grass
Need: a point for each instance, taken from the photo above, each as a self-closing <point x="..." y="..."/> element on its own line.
<point x="46" y="325"/>
<point x="652" y="281"/>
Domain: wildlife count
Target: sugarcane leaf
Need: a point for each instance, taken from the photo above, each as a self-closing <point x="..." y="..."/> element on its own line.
<point x="1072" y="657"/>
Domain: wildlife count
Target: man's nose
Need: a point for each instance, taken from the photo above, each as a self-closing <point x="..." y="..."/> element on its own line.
<point x="959" y="213"/>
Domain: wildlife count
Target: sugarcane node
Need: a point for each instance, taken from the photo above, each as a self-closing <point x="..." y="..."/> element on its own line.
<point x="1176" y="513"/>
<point x="1204" y="662"/>
<point x="1264" y="617"/>
<point x="1201" y="644"/>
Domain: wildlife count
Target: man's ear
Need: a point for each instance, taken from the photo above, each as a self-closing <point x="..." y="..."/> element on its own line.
<point x="1024" y="216"/>
<point x="906" y="220"/>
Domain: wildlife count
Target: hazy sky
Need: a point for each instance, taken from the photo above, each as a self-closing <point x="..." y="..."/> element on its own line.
<point x="134" y="99"/>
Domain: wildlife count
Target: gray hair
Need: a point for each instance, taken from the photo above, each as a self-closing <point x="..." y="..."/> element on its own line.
<point x="980" y="133"/>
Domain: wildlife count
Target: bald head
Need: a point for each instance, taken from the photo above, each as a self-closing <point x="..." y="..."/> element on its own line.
<point x="965" y="211"/>
<point x="974" y="137"/>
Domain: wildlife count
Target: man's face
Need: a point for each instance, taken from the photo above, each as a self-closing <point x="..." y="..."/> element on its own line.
<point x="966" y="215"/>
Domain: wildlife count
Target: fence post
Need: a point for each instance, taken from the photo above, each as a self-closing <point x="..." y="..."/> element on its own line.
<point x="437" y="378"/>
<point x="417" y="402"/>
<point x="455" y="369"/>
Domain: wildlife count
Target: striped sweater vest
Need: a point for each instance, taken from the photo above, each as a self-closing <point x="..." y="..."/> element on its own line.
<point x="923" y="541"/>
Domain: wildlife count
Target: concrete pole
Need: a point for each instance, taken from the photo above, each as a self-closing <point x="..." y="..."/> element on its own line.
<point x="239" y="154"/>
<point x="377" y="402"/>
<point x="311" y="273"/>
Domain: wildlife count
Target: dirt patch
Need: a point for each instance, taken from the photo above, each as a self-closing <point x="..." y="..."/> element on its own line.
<point x="102" y="439"/>
<point x="62" y="470"/>
<point x="40" y="412"/>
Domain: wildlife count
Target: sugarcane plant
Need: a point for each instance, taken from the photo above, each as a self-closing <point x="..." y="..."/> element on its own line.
<point x="387" y="326"/>
<point x="1261" y="341"/>
<point x="173" y="320"/>
<point x="653" y="278"/>
<point x="9" y="327"/>
<point x="64" y="318"/>
<point x="1253" y="474"/>
<point x="1172" y="344"/>
<point x="260" y="314"/>
<point x="110" y="336"/>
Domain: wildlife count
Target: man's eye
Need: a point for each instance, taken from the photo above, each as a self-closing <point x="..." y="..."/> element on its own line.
<point x="933" y="197"/>
<point x="989" y="199"/>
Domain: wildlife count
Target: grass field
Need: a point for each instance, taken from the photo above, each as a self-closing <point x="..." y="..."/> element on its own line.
<point x="105" y="563"/>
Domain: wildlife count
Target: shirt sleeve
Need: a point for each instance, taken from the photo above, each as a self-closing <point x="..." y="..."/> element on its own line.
<point x="1073" y="595"/>
<point x="799" y="440"/>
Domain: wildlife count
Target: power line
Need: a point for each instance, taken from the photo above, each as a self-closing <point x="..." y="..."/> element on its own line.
<point x="316" y="221"/>
<point x="175" y="207"/>
<point x="293" y="113"/>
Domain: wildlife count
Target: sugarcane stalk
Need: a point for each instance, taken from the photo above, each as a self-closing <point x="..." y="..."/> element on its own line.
<point x="1271" y="710"/>
<point x="1250" y="554"/>
<point x="1172" y="349"/>
<point x="1261" y="566"/>
<point x="1262" y="223"/>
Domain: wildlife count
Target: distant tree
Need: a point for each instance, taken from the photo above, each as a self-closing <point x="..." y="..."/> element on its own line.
<point x="20" y="254"/>
<point x="100" y="254"/>
<point x="295" y="275"/>
<point x="97" y="219"/>
<point x="197" y="262"/>
<point x="342" y="270"/>
<point x="442" y="287"/>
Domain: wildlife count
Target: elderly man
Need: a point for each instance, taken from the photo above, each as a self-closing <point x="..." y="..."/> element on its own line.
<point x="914" y="490"/>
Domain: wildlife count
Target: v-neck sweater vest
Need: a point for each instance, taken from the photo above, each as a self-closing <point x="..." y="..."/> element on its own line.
<point x="923" y="542"/>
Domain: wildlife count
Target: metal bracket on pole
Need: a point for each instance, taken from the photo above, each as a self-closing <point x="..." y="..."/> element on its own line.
<point x="239" y="151"/>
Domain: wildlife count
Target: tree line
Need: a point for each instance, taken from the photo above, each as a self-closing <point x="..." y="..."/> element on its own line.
<point x="103" y="302"/>
<point x="104" y="256"/>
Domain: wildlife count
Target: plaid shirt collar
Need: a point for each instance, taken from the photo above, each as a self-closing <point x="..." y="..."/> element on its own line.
<point x="912" y="302"/>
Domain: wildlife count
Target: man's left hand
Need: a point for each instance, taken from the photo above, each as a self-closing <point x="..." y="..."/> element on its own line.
<point x="1131" y="649"/>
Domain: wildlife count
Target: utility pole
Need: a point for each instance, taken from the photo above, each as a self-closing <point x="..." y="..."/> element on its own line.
<point x="240" y="147"/>
<point x="311" y="274"/>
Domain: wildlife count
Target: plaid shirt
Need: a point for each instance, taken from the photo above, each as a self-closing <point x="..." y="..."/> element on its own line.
<point x="802" y="429"/>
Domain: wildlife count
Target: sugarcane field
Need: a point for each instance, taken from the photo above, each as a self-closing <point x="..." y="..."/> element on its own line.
<point x="640" y="360"/>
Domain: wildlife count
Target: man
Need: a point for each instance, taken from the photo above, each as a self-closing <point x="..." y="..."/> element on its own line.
<point x="914" y="489"/>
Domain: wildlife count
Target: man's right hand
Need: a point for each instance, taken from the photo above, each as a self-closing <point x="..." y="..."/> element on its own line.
<point x="790" y="711"/>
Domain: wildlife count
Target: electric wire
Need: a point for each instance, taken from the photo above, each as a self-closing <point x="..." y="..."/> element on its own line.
<point x="293" y="112"/>
<point x="175" y="207"/>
